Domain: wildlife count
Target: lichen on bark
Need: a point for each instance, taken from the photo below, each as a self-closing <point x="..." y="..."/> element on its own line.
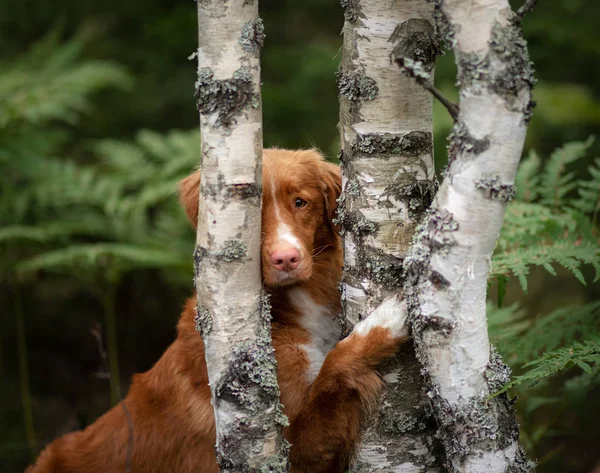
<point x="414" y="143"/>
<point x="493" y="188"/>
<point x="228" y="97"/>
<point x="203" y="321"/>
<point x="253" y="35"/>
<point x="415" y="39"/>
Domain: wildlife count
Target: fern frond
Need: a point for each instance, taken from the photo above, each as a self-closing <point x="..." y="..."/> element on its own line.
<point x="152" y="157"/>
<point x="527" y="179"/>
<point x="588" y="201"/>
<point x="525" y="338"/>
<point x="568" y="254"/>
<point x="51" y="231"/>
<point x="38" y="89"/>
<point x="563" y="325"/>
<point x="101" y="256"/>
<point x="585" y="355"/>
<point x="506" y="324"/>
<point x="555" y="183"/>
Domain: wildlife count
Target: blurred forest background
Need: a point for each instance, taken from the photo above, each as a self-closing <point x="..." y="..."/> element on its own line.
<point x="97" y="124"/>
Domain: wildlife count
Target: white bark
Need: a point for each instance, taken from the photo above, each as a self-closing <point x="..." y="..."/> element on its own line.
<point x="449" y="261"/>
<point x="232" y="315"/>
<point x="388" y="182"/>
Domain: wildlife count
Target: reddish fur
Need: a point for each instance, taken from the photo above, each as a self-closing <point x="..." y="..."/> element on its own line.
<point x="173" y="420"/>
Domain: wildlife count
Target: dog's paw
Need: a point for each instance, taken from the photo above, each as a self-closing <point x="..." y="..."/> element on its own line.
<point x="392" y="314"/>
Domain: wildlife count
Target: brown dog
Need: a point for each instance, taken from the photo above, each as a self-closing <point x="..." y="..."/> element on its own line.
<point x="326" y="385"/>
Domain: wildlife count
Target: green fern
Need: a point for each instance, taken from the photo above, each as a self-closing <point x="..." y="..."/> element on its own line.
<point x="50" y="83"/>
<point x="121" y="199"/>
<point x="101" y="255"/>
<point x="524" y="338"/>
<point x="545" y="226"/>
<point x="555" y="182"/>
<point x="588" y="201"/>
<point x="527" y="180"/>
<point x="585" y="355"/>
<point x="552" y="222"/>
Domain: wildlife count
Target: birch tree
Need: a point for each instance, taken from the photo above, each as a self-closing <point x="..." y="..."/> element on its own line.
<point x="232" y="312"/>
<point x="445" y="272"/>
<point x="386" y="131"/>
<point x="448" y="264"/>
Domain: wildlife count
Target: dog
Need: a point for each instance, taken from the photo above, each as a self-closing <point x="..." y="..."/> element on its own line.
<point x="326" y="385"/>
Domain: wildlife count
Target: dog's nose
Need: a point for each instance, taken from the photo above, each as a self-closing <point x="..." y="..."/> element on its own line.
<point x="286" y="260"/>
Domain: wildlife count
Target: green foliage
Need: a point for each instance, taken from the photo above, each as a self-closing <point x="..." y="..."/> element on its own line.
<point x="552" y="222"/>
<point x="549" y="223"/>
<point x="124" y="201"/>
<point x="49" y="83"/>
<point x="152" y="39"/>
<point x="584" y="355"/>
<point x="525" y="339"/>
<point x="566" y="338"/>
<point x="119" y="194"/>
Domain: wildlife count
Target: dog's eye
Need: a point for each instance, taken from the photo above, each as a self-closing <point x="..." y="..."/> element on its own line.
<point x="299" y="203"/>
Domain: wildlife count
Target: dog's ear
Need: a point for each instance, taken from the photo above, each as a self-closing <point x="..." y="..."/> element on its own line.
<point x="189" y="190"/>
<point x="332" y="181"/>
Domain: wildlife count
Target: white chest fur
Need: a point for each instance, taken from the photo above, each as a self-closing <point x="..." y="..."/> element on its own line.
<point x="322" y="326"/>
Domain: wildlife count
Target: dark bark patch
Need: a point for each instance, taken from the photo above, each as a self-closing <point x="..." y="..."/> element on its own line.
<point x="243" y="191"/>
<point x="203" y="321"/>
<point x="416" y="194"/>
<point x="227" y="97"/>
<point x="443" y="31"/>
<point x="440" y="325"/>
<point x="508" y="46"/>
<point x="434" y="235"/>
<point x="384" y="269"/>
<point x="438" y="280"/>
<point x="199" y="255"/>
<point x="497" y="373"/>
<point x="416" y="420"/>
<point x="493" y="188"/>
<point x="415" y="143"/>
<point x="521" y="463"/>
<point x="251" y="375"/>
<point x="235" y="449"/>
<point x="233" y="250"/>
<point x="466" y="426"/>
<point x="461" y="142"/>
<point x="352" y="188"/>
<point x="415" y="40"/>
<point x="253" y="35"/>
<point x="355" y="86"/>
<point x="352" y="10"/>
<point x="506" y="70"/>
<point x="352" y="221"/>
<point x="472" y="69"/>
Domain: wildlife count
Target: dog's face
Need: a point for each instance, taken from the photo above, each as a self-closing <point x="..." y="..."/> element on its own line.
<point x="300" y="191"/>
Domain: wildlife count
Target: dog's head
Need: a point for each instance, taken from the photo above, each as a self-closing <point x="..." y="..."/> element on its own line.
<point x="300" y="191"/>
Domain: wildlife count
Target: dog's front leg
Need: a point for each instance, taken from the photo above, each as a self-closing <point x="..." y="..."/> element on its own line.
<point x="326" y="431"/>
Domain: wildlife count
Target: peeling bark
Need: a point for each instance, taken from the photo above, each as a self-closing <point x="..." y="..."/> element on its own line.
<point x="232" y="313"/>
<point x="448" y="264"/>
<point x="388" y="183"/>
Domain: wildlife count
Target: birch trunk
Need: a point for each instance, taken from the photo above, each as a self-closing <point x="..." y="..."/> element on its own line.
<point x="232" y="314"/>
<point x="388" y="181"/>
<point x="449" y="261"/>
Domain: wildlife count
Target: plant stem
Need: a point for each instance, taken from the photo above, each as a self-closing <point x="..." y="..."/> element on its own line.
<point x="110" y="320"/>
<point x="24" y="374"/>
